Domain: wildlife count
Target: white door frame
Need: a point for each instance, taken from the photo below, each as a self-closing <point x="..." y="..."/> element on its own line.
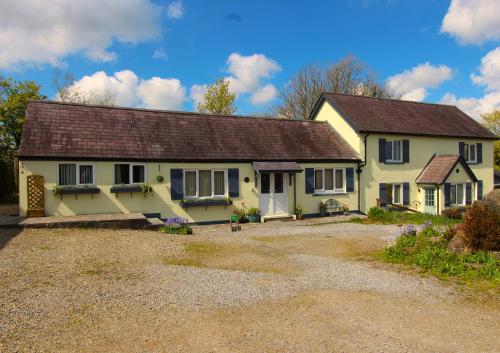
<point x="274" y="204"/>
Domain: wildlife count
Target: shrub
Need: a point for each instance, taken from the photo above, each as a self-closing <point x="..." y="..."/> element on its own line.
<point x="176" y="225"/>
<point x="253" y="211"/>
<point x="241" y="213"/>
<point x="481" y="226"/>
<point x="376" y="213"/>
<point x="454" y="212"/>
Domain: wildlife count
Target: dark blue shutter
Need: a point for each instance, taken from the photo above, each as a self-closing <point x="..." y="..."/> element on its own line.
<point x="309" y="180"/>
<point x="479" y="189"/>
<point x="468" y="193"/>
<point x="349" y="176"/>
<point x="382" y="194"/>
<point x="461" y="149"/>
<point x="176" y="184"/>
<point x="447" y="195"/>
<point x="381" y="150"/>
<point x="406" y="194"/>
<point x="479" y="153"/>
<point x="406" y="151"/>
<point x="233" y="175"/>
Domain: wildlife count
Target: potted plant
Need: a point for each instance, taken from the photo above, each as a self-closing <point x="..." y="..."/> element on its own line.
<point x="299" y="212"/>
<point x="322" y="209"/>
<point x="242" y="213"/>
<point x="345" y="209"/>
<point x="253" y="215"/>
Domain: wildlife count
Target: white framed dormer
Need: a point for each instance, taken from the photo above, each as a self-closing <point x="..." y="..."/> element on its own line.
<point x="394" y="151"/>
<point x="205" y="183"/>
<point x="129" y="173"/>
<point x="76" y="174"/>
<point x="329" y="181"/>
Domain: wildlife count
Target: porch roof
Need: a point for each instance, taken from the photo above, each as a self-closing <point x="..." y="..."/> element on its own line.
<point x="284" y="167"/>
<point x="439" y="168"/>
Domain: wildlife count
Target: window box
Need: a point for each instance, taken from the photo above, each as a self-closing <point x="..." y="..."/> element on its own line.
<point x="79" y="191"/>
<point x="206" y="203"/>
<point x="125" y="188"/>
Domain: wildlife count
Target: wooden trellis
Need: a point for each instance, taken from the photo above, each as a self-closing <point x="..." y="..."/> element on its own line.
<point x="35" y="196"/>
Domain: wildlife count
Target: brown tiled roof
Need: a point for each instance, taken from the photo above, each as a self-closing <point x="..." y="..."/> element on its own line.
<point x="366" y="114"/>
<point x="440" y="167"/>
<point x="277" y="167"/>
<point x="61" y="130"/>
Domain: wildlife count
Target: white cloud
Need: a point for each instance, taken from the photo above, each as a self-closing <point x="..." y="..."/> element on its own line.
<point x="413" y="84"/>
<point x="474" y="106"/>
<point x="489" y="77"/>
<point x="175" y="9"/>
<point x="129" y="90"/>
<point x="473" y="21"/>
<point x="197" y="94"/>
<point x="34" y="32"/>
<point x="160" y="54"/>
<point x="248" y="71"/>
<point x="489" y="71"/>
<point x="264" y="94"/>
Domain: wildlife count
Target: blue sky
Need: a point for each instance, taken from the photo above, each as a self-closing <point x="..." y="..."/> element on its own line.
<point x="165" y="52"/>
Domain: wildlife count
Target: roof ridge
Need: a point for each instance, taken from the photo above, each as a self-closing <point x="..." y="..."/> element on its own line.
<point x="208" y="115"/>
<point x="392" y="99"/>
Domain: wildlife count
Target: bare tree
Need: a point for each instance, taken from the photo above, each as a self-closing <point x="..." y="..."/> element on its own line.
<point x="68" y="92"/>
<point x="349" y="76"/>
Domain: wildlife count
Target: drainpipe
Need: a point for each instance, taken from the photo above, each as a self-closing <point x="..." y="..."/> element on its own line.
<point x="294" y="191"/>
<point x="358" y="171"/>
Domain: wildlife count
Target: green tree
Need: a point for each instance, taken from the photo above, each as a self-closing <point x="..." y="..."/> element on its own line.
<point x="349" y="75"/>
<point x="14" y="98"/>
<point x="218" y="99"/>
<point x="491" y="121"/>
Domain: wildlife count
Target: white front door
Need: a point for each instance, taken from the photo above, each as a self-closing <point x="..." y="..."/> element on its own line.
<point x="273" y="199"/>
<point x="430" y="200"/>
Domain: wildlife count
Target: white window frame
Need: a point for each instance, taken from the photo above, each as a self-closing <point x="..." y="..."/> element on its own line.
<point x="212" y="196"/>
<point x="433" y="193"/>
<point x="467" y="152"/>
<point x="400" y="194"/>
<point x="456" y="194"/>
<point x="77" y="177"/>
<point x="334" y="191"/>
<point x="130" y="172"/>
<point x="392" y="160"/>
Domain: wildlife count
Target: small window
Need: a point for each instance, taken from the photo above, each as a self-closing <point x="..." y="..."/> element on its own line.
<point x="339" y="179"/>
<point x="318" y="179"/>
<point x="190" y="183"/>
<point x="470" y="153"/>
<point x="205" y="180"/>
<point x="329" y="179"/>
<point x="127" y="173"/>
<point x="278" y="183"/>
<point x="396" y="194"/>
<point x="74" y="174"/>
<point x="457" y="194"/>
<point x="265" y="183"/>
<point x="429" y="197"/>
<point x="393" y="151"/>
<point x="219" y="185"/>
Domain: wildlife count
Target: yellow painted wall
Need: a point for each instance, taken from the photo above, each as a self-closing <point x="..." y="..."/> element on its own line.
<point x="159" y="201"/>
<point x="421" y="150"/>
<point x="327" y="113"/>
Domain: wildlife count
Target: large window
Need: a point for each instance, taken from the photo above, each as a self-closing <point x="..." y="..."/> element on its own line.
<point x="470" y="153"/>
<point x="76" y="174"/>
<point x="457" y="194"/>
<point x="205" y="183"/>
<point x="393" y="151"/>
<point x="130" y="173"/>
<point x="329" y="180"/>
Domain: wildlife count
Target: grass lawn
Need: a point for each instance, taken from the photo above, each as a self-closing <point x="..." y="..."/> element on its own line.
<point x="380" y="216"/>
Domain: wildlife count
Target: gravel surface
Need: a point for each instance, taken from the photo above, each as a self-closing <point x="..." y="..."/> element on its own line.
<point x="106" y="291"/>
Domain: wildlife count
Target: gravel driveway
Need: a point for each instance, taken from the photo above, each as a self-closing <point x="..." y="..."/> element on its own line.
<point x="281" y="287"/>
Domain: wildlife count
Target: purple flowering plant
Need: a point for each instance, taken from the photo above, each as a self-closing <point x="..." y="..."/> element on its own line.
<point x="409" y="230"/>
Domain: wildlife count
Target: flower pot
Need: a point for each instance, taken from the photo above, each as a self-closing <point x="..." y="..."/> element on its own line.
<point x="254" y="218"/>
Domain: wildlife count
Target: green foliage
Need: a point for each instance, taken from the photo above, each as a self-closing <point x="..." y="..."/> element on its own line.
<point x="299" y="211"/>
<point x="378" y="215"/>
<point x="159" y="178"/>
<point x="182" y="229"/>
<point x="481" y="226"/>
<point x="253" y="211"/>
<point x="241" y="213"/>
<point x="428" y="250"/>
<point x="218" y="99"/>
<point x="145" y="188"/>
<point x="491" y="121"/>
